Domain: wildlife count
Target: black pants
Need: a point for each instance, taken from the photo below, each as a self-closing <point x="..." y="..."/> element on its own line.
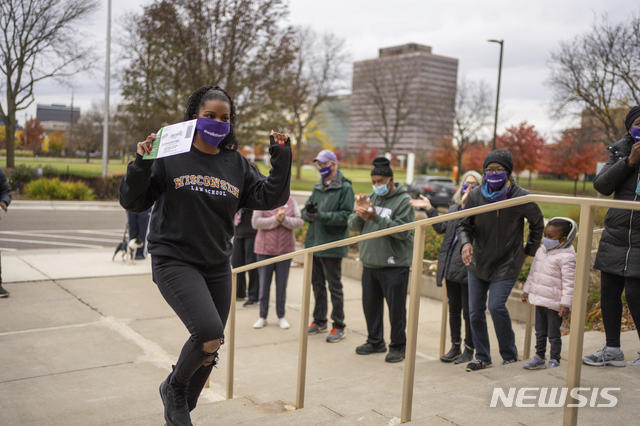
<point x="328" y="269"/>
<point x="611" y="287"/>
<point x="388" y="284"/>
<point x="241" y="255"/>
<point x="548" y="324"/>
<point x="458" y="295"/>
<point x="201" y="299"/>
<point x="138" y="224"/>
<point x="281" y="270"/>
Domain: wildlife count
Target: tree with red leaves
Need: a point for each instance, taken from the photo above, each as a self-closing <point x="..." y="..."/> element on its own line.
<point x="525" y="144"/>
<point x="444" y="155"/>
<point x="33" y="135"/>
<point x="473" y="157"/>
<point x="575" y="154"/>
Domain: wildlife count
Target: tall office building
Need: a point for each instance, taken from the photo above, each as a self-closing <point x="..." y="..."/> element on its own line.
<point x="405" y="97"/>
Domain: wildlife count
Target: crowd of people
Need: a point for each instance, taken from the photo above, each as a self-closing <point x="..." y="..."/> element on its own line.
<point x="480" y="259"/>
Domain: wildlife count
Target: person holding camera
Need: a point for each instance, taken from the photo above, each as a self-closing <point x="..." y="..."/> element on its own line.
<point x="327" y="210"/>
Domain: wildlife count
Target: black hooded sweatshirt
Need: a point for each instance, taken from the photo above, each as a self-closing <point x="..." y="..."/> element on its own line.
<point x="196" y="196"/>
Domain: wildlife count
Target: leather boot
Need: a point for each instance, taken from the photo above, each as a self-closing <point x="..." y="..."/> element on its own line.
<point x="453" y="353"/>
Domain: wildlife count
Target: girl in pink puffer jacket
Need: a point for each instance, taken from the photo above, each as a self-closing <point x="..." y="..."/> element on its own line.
<point x="550" y="288"/>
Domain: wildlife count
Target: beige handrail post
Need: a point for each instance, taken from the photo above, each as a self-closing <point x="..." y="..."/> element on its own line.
<point x="304" y="317"/>
<point x="578" y="309"/>
<point x="230" y="339"/>
<point x="443" y="320"/>
<point x="412" y="323"/>
<point x="527" y="334"/>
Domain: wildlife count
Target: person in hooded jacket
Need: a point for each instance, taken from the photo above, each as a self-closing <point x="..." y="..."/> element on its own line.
<point x="492" y="248"/>
<point x="327" y="210"/>
<point x="549" y="287"/>
<point x="386" y="260"/>
<point x="618" y="257"/>
<point x="453" y="271"/>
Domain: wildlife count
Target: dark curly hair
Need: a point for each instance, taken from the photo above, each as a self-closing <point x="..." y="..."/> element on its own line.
<point x="207" y="93"/>
<point x="563" y="225"/>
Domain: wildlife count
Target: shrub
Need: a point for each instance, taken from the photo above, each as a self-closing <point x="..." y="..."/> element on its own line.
<point x="54" y="189"/>
<point x="432" y="243"/>
<point x="598" y="215"/>
<point x="21" y="175"/>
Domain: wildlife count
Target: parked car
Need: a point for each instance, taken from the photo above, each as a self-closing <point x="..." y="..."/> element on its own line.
<point x="438" y="189"/>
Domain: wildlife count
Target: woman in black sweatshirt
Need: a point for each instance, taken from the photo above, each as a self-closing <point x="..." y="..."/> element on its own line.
<point x="196" y="195"/>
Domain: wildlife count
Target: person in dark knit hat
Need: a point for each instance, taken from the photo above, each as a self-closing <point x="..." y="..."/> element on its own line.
<point x="386" y="260"/>
<point x="618" y="257"/>
<point x="492" y="249"/>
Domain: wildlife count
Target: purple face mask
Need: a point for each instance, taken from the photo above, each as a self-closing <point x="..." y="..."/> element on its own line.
<point x="635" y="134"/>
<point x="495" y="181"/>
<point x="325" y="172"/>
<point x="212" y="131"/>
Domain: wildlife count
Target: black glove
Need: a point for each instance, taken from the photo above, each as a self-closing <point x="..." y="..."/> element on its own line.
<point x="273" y="142"/>
<point x="311" y="207"/>
<point x="311" y="212"/>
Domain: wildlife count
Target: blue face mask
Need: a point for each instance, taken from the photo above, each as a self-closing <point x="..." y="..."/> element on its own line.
<point x="381" y="190"/>
<point x="550" y="244"/>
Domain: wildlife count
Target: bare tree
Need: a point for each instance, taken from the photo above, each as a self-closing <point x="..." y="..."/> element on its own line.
<point x="37" y="41"/>
<point x="316" y="73"/>
<point x="472" y="114"/>
<point x="389" y="106"/>
<point x="597" y="75"/>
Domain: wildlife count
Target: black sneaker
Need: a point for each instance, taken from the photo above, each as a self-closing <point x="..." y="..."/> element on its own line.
<point x="394" y="355"/>
<point x="316" y="328"/>
<point x="249" y="303"/>
<point x="466" y="356"/>
<point x="369" y="348"/>
<point x="176" y="411"/>
<point x="3" y="293"/>
<point x="452" y="355"/>
<point x="336" y="335"/>
<point x="477" y="364"/>
<point x="509" y="361"/>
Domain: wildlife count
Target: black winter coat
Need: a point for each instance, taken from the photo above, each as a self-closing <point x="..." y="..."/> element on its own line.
<point x="619" y="249"/>
<point x="497" y="237"/>
<point x="450" y="265"/>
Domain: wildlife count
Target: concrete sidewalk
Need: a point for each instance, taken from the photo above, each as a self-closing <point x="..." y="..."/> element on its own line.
<point x="86" y="341"/>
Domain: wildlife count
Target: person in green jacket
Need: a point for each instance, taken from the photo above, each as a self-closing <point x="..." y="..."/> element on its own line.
<point x="385" y="260"/>
<point x="327" y="211"/>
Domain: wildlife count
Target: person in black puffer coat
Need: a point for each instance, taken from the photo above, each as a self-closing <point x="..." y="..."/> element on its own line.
<point x="618" y="257"/>
<point x="452" y="270"/>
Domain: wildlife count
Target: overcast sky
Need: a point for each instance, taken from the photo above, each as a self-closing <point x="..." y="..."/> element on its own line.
<point x="459" y="29"/>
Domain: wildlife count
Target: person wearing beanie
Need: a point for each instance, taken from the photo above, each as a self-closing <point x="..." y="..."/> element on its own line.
<point x="327" y="211"/>
<point x="618" y="256"/>
<point x="453" y="271"/>
<point x="386" y="260"/>
<point x="492" y="248"/>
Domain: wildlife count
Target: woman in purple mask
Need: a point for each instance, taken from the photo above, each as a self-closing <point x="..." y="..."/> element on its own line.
<point x="492" y="248"/>
<point x="618" y="257"/>
<point x="196" y="195"/>
<point x="453" y="271"/>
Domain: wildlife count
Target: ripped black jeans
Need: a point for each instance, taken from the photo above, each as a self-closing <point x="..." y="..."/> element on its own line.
<point x="201" y="298"/>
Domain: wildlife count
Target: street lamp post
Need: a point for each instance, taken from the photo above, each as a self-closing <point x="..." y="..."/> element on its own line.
<point x="495" y="122"/>
<point x="107" y="80"/>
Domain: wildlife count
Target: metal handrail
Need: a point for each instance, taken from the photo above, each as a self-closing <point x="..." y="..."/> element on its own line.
<point x="578" y="308"/>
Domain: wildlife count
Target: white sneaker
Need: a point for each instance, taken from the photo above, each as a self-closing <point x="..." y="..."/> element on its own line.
<point x="283" y="323"/>
<point x="260" y="323"/>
